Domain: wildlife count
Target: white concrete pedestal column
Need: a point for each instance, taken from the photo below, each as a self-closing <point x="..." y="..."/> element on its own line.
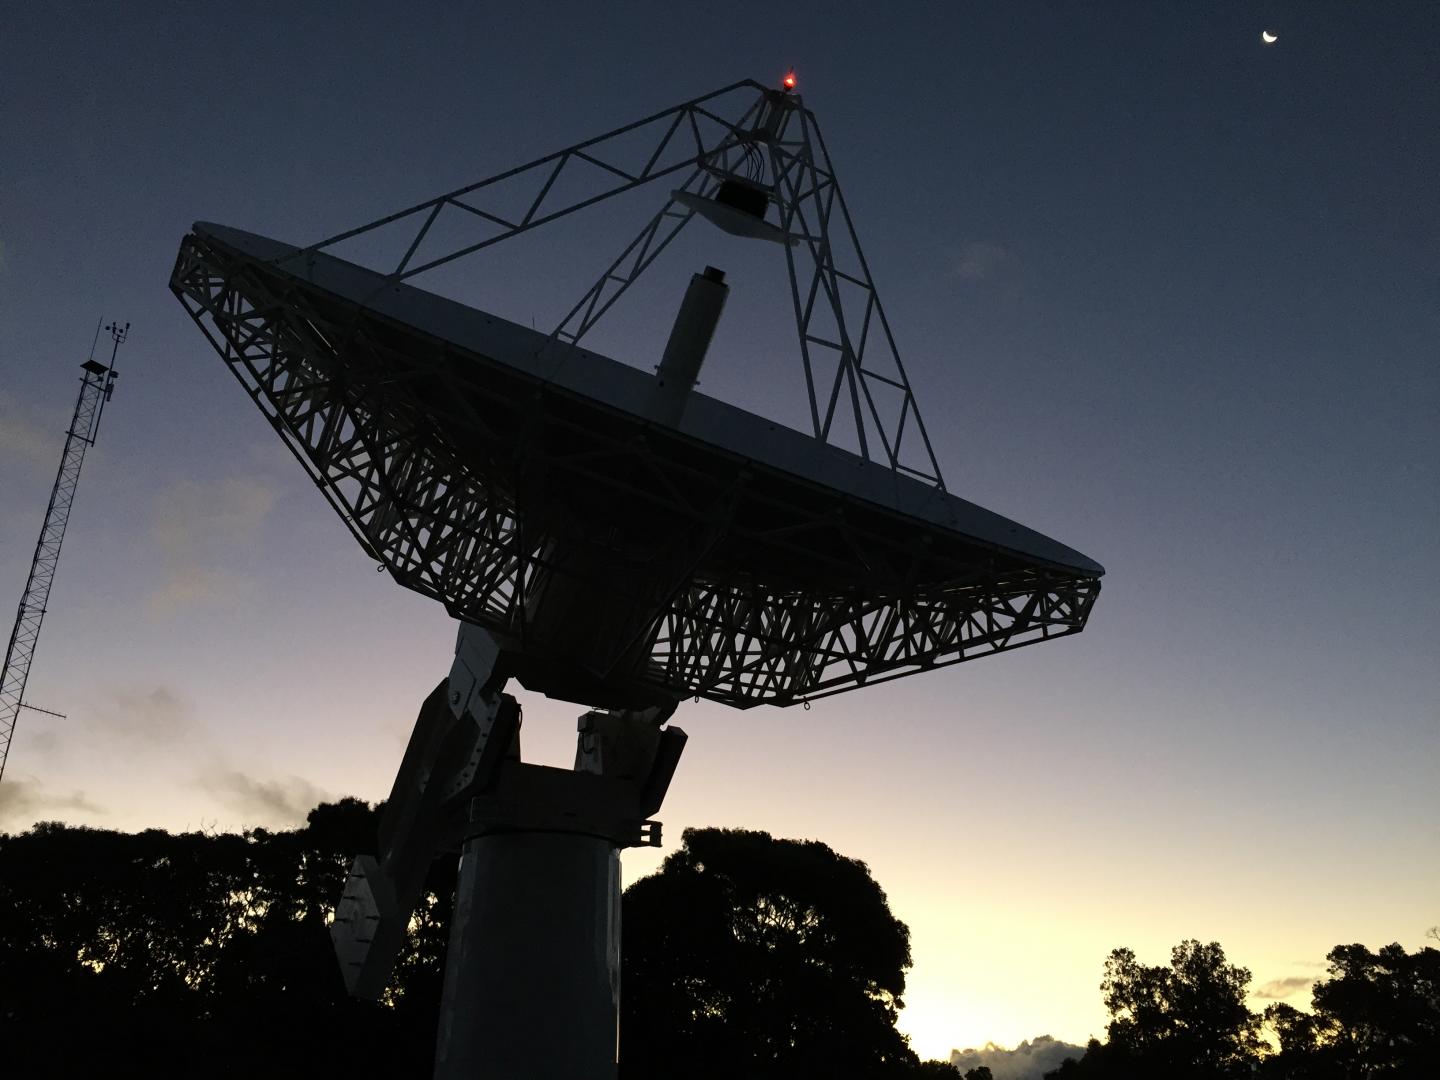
<point x="532" y="980"/>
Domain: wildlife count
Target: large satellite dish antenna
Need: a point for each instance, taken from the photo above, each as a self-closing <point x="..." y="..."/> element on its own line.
<point x="608" y="537"/>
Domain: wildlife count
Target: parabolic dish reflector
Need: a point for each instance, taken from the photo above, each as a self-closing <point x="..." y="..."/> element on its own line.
<point x="622" y="561"/>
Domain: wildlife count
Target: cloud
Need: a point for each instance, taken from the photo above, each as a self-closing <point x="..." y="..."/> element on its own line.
<point x="272" y="459"/>
<point x="154" y="714"/>
<point x="1031" y="1060"/>
<point x="197" y="527"/>
<point x="26" y="442"/>
<point x="982" y="260"/>
<point x="197" y="586"/>
<point x="278" y="803"/>
<point x="136" y="717"/>
<point x="194" y="519"/>
<point x="1280" y="989"/>
<point x="24" y="801"/>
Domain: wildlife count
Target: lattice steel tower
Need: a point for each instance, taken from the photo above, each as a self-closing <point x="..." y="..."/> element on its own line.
<point x="96" y="386"/>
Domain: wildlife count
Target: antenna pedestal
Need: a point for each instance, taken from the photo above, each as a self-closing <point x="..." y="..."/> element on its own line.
<point x="532" y="978"/>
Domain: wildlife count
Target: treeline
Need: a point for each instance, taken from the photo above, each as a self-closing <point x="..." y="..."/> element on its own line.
<point x="153" y="954"/>
<point x="1374" y="1014"/>
<point x="158" y="955"/>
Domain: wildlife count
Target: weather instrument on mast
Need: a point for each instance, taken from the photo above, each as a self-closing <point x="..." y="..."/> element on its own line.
<point x="608" y="536"/>
<point x="97" y="384"/>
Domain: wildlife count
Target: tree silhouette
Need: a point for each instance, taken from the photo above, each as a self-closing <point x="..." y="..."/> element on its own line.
<point x="751" y="956"/>
<point x="1185" y="1020"/>
<point x="1378" y="1014"/>
<point x="1189" y="1016"/>
<point x="169" y="955"/>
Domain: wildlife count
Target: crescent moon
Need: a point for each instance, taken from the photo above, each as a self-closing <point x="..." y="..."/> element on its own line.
<point x="1268" y="38"/>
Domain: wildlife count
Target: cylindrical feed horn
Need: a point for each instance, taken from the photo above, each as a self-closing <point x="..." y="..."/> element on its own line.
<point x="689" y="340"/>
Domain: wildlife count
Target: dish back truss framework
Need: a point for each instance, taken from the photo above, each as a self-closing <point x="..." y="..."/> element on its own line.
<point x="462" y="475"/>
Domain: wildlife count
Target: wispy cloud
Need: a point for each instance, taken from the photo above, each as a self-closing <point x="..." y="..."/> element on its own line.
<point x="191" y="519"/>
<point x="147" y="714"/>
<point x="197" y="527"/>
<point x="278" y="802"/>
<point x="134" y="730"/>
<point x="152" y="729"/>
<point x="134" y="718"/>
<point x="189" y="586"/>
<point x="1280" y="989"/>
<point x="984" y="260"/>
<point x="24" y="801"/>
<point x="26" y="442"/>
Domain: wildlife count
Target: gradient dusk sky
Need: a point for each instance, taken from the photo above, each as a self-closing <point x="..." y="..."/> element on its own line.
<point x="1165" y="292"/>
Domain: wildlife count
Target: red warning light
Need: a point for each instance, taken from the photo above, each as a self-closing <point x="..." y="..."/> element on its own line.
<point x="788" y="81"/>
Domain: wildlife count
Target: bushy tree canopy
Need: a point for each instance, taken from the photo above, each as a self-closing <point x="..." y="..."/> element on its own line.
<point x="751" y="956"/>
<point x="1377" y="1014"/>
<point x="745" y="956"/>
<point x="214" y="948"/>
<point x="1188" y="1018"/>
<point x="149" y="954"/>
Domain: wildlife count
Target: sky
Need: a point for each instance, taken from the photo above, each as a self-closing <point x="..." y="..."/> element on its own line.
<point x="1164" y="292"/>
